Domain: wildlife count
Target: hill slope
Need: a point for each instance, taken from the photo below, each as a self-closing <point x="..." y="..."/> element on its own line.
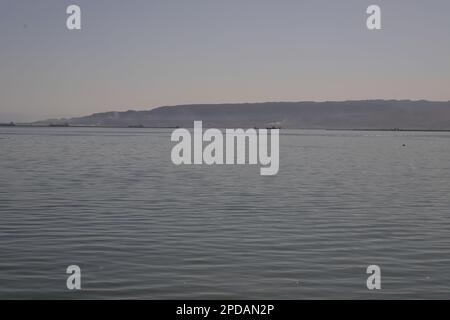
<point x="367" y="114"/>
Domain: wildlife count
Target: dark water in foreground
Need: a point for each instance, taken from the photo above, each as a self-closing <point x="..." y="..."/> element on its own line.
<point x="111" y="201"/>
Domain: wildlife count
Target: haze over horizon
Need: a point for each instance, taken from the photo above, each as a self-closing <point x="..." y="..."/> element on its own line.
<point x="143" y="54"/>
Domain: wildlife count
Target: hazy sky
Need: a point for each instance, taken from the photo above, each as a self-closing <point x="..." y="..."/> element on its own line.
<point x="142" y="54"/>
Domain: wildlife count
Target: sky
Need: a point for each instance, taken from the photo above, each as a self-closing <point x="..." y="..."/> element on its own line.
<point x="140" y="54"/>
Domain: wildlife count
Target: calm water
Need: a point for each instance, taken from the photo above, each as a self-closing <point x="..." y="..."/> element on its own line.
<point x="112" y="202"/>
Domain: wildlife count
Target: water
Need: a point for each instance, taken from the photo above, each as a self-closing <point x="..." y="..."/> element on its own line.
<point x="112" y="202"/>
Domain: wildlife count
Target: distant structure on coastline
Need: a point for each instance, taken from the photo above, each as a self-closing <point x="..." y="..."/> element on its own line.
<point x="59" y="124"/>
<point x="11" y="124"/>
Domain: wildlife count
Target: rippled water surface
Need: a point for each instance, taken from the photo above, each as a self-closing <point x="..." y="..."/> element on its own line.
<point x="112" y="202"/>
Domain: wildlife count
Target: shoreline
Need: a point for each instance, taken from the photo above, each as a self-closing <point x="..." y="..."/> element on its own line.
<point x="176" y="127"/>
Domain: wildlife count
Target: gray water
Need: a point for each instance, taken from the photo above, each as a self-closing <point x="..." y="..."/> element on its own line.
<point x="112" y="202"/>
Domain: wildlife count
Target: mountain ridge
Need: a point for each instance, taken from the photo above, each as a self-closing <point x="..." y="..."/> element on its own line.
<point x="351" y="114"/>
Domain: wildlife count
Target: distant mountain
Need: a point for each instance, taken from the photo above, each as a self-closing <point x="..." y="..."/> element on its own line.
<point x="365" y="114"/>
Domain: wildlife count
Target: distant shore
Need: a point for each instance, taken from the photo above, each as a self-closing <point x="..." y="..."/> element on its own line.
<point x="27" y="125"/>
<point x="375" y="115"/>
